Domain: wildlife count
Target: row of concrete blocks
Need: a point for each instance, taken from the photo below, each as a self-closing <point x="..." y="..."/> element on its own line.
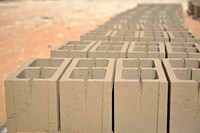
<point x="167" y="14"/>
<point x="141" y="27"/>
<point x="194" y="8"/>
<point x="119" y="49"/>
<point x="88" y="95"/>
<point x="161" y="36"/>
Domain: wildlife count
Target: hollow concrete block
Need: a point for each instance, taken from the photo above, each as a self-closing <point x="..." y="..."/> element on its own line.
<point x="160" y="36"/>
<point x="146" y="50"/>
<point x="185" y="36"/>
<point x="32" y="98"/>
<point x="124" y="36"/>
<point x="140" y="96"/>
<point x="184" y="109"/>
<point x="106" y="49"/>
<point x="86" y="96"/>
<point x="103" y="35"/>
<point x="73" y="49"/>
<point x="183" y="50"/>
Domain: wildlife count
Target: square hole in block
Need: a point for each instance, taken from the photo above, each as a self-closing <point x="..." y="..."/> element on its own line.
<point x="176" y="63"/>
<point x="130" y="63"/>
<point x="40" y="73"/>
<point x="182" y="74"/>
<point x="70" y="47"/>
<point x="153" y="49"/>
<point x="192" y="63"/>
<point x="130" y="74"/>
<point x="92" y="63"/>
<point x="149" y="74"/>
<point x="109" y="48"/>
<point x="88" y="74"/>
<point x="147" y="64"/>
<point x="46" y="63"/>
<point x="195" y="74"/>
<point x="140" y="49"/>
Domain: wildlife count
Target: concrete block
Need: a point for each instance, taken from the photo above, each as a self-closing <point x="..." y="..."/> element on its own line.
<point x="178" y="36"/>
<point x="140" y="96"/>
<point x="183" y="50"/>
<point x="74" y="49"/>
<point x="32" y="96"/>
<point x="184" y="110"/>
<point x="124" y="36"/>
<point x="175" y="27"/>
<point x="103" y="35"/>
<point x="146" y="50"/>
<point x="86" y="96"/>
<point x="105" y="49"/>
<point x="159" y="36"/>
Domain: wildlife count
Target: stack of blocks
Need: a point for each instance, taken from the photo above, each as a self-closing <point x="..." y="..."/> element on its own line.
<point x="139" y="72"/>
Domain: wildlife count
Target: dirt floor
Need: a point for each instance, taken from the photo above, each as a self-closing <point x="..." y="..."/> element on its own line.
<point x="30" y="28"/>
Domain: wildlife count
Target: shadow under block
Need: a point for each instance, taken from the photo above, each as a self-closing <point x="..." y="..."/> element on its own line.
<point x="109" y="49"/>
<point x="146" y="50"/>
<point x="184" y="76"/>
<point x="86" y="96"/>
<point x="140" y="96"/>
<point x="72" y="49"/>
<point x="183" y="50"/>
<point x="32" y="96"/>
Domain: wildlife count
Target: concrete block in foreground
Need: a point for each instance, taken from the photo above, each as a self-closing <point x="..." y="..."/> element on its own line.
<point x="184" y="110"/>
<point x="140" y="96"/>
<point x="183" y="50"/>
<point x="146" y="50"/>
<point x="32" y="98"/>
<point x="86" y="96"/>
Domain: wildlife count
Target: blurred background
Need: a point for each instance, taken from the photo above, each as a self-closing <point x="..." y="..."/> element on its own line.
<point x="29" y="28"/>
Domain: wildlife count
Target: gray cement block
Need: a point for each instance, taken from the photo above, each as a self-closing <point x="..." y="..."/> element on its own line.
<point x="184" y="76"/>
<point x="146" y="50"/>
<point x="72" y="49"/>
<point x="86" y="96"/>
<point x="158" y="36"/>
<point x="103" y="35"/>
<point x="140" y="96"/>
<point x="124" y="36"/>
<point x="183" y="50"/>
<point x="32" y="96"/>
<point x="106" y="49"/>
<point x="182" y="36"/>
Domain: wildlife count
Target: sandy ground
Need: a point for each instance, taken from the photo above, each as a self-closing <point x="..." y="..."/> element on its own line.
<point x="30" y="28"/>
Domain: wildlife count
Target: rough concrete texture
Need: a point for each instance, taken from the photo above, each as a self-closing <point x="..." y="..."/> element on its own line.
<point x="158" y="36"/>
<point x="140" y="96"/>
<point x="109" y="49"/>
<point x="182" y="36"/>
<point x="184" y="110"/>
<point x="146" y="50"/>
<point x="74" y="49"/>
<point x="103" y="35"/>
<point x="125" y="35"/>
<point x="32" y="96"/>
<point x="86" y="96"/>
<point x="152" y="27"/>
<point x="183" y="50"/>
